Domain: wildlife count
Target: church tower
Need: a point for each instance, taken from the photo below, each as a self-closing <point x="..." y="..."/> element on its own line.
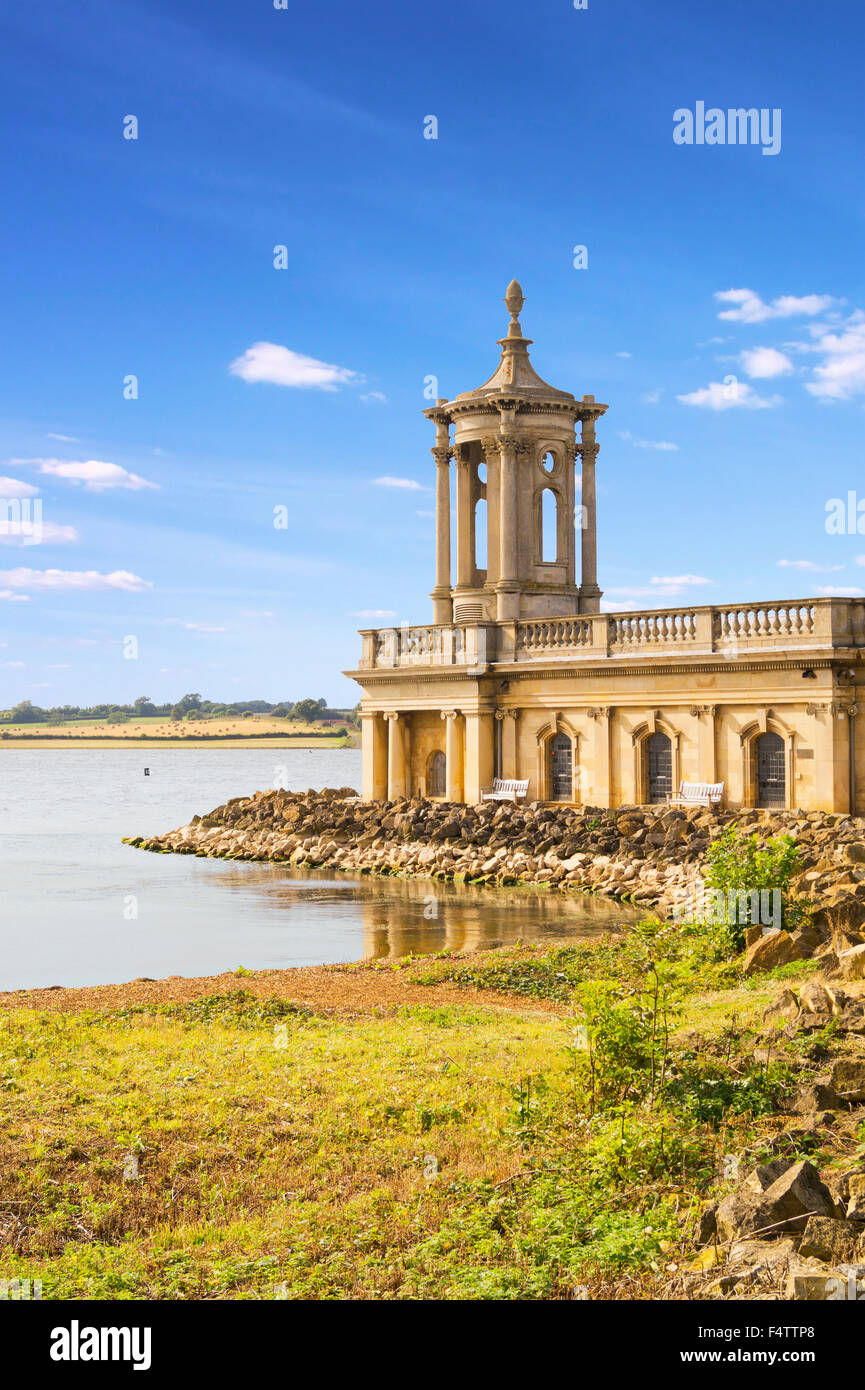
<point x="514" y="450"/>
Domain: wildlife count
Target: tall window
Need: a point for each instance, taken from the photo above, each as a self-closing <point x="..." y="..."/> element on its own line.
<point x="481" y="534"/>
<point x="436" y="774"/>
<point x="549" y="526"/>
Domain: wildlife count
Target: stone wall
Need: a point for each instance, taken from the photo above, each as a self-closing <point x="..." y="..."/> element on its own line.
<point x="649" y="856"/>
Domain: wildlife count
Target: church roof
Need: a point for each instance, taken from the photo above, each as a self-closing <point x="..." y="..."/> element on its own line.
<point x="515" y="375"/>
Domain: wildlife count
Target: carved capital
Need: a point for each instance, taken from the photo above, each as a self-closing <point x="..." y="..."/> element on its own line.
<point x="490" y="446"/>
<point x="442" y="456"/>
<point x="599" y="711"/>
<point x="515" y="443"/>
<point x="450" y="714"/>
<point x="587" y="452"/>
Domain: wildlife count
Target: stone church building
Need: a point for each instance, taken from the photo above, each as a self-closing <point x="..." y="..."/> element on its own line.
<point x="520" y="675"/>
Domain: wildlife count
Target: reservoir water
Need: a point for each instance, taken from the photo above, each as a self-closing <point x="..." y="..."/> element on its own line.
<point x="78" y="907"/>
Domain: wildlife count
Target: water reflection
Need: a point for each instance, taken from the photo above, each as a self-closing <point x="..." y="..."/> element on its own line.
<point x="398" y="917"/>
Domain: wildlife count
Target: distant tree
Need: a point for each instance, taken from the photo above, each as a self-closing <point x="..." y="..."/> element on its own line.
<point x="307" y="709"/>
<point x="322" y="704"/>
<point x="189" y="702"/>
<point x="176" y="712"/>
<point x="144" y="706"/>
<point x="193" y="714"/>
<point x="27" y="713"/>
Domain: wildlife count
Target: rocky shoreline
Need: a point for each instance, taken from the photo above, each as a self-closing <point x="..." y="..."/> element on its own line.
<point x="648" y="856"/>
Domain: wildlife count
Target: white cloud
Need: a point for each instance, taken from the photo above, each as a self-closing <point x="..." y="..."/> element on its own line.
<point x="64" y="438"/>
<point x="373" y="396"/>
<point x="750" y="308"/>
<point x="763" y="362"/>
<point x="840" y="591"/>
<point x="652" y="397"/>
<point x="254" y="613"/>
<point x="94" y="473"/>
<point x="14" y="663"/>
<point x="73" y="579"/>
<point x="809" y="566"/>
<point x="661" y="444"/>
<point x="681" y="579"/>
<point x="10" y="487"/>
<point x="58" y="666"/>
<point x="8" y="596"/>
<point x="279" y="365"/>
<point x="624" y="354"/>
<point x="841" y="374"/>
<point x="717" y="396"/>
<point x="374" y="613"/>
<point x="408" y="484"/>
<point x="203" y="627"/>
<point x="29" y="533"/>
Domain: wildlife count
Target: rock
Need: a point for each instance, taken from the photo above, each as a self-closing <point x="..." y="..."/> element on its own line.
<point x="818" y="1096"/>
<point x="706" y="1225"/>
<point x="785" y="1006"/>
<point x="807" y="1284"/>
<point x="770" y="950"/>
<point x="783" y="1206"/>
<point x="851" y="963"/>
<point x="848" y="1078"/>
<point x="827" y="1239"/>
<point x="856" y="1197"/>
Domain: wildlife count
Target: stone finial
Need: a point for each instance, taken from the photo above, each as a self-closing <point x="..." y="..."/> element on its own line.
<point x="514" y="299"/>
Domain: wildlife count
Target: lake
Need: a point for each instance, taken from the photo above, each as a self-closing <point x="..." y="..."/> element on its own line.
<point x="81" y="908"/>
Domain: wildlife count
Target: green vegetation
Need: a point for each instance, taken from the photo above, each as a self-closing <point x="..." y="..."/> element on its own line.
<point x="189" y="707"/>
<point x="243" y="1146"/>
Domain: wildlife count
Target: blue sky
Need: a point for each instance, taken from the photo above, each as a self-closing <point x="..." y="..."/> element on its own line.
<point x="304" y="128"/>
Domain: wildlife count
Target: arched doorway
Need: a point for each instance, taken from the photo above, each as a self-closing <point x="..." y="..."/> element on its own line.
<point x="561" y="768"/>
<point x="771" y="771"/>
<point x="436" y="774"/>
<point x="659" y="768"/>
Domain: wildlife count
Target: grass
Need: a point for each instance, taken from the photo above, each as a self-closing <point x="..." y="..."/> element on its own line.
<point x="424" y="1150"/>
<point x="152" y="728"/>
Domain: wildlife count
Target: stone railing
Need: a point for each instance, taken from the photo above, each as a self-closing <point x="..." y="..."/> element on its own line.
<point x="552" y="634"/>
<point x="730" y="630"/>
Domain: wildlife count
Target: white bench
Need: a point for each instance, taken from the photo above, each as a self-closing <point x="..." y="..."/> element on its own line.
<point x="505" y="790"/>
<point x="697" y="794"/>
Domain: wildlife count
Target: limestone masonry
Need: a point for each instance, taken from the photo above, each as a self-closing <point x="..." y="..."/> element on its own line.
<point x="521" y="676"/>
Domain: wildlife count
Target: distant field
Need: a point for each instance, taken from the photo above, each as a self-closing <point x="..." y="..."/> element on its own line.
<point x="259" y="726"/>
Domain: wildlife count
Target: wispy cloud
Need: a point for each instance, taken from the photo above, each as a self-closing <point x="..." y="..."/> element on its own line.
<point x="203" y="627"/>
<point x="763" y="362"/>
<point x="808" y="566"/>
<point x="283" y="367"/>
<point x="840" y="591"/>
<point x="9" y="596"/>
<point x="841" y="374"/>
<point x="661" y="444"/>
<point x="93" y="473"/>
<point x="373" y="396"/>
<point x="718" y="396"/>
<point x="29" y="533"/>
<point x="11" y="487"/>
<point x="652" y="397"/>
<point x="374" y="613"/>
<point x="43" y="580"/>
<point x="750" y="308"/>
<point x="407" y="484"/>
<point x="64" y="438"/>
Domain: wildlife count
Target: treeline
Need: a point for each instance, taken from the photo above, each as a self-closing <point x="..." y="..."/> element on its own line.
<point x="189" y="707"/>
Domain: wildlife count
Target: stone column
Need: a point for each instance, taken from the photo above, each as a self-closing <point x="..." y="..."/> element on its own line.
<point x="441" y="595"/>
<point x="507" y="588"/>
<point x="602" y="789"/>
<point x="395" y="757"/>
<point x="590" y="594"/>
<point x="479" y="755"/>
<point x="454" y="756"/>
<point x="374" y="743"/>
<point x="465" y="554"/>
<point x="509" y="742"/>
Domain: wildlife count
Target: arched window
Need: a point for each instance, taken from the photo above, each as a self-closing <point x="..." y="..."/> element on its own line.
<point x="659" y="768"/>
<point x="481" y="534"/>
<point x="549" y="526"/>
<point x="548" y="463"/>
<point x="771" y="770"/>
<point x="436" y="770"/>
<point x="561" y="768"/>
